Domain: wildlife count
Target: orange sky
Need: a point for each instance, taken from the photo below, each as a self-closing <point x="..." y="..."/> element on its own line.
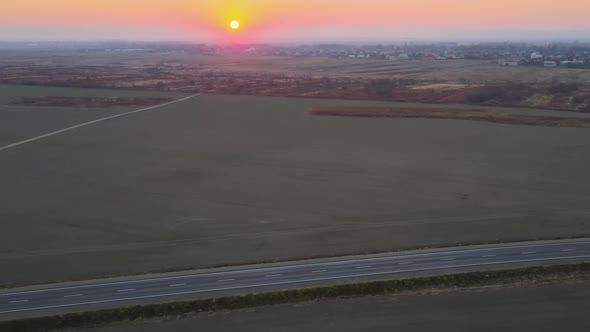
<point x="273" y="19"/>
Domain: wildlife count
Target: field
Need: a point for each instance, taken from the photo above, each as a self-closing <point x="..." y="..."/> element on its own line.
<point x="549" y="307"/>
<point x="19" y="121"/>
<point x="428" y="81"/>
<point x="221" y="180"/>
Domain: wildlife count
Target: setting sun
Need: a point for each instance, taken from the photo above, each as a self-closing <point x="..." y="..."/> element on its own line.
<point x="234" y="24"/>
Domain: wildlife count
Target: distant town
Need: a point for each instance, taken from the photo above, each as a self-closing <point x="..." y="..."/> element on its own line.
<point x="571" y="55"/>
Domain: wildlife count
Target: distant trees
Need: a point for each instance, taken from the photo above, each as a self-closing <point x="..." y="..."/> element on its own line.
<point x="511" y="92"/>
<point x="557" y="87"/>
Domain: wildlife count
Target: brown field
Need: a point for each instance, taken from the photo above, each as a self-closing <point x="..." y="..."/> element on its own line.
<point x="456" y="114"/>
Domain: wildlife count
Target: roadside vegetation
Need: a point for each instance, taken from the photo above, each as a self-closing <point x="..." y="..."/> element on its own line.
<point x="401" y="286"/>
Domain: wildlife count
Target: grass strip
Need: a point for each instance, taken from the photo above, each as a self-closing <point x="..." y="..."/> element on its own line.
<point x="138" y="312"/>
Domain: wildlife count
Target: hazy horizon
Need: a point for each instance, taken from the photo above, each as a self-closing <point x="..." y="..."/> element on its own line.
<point x="294" y="20"/>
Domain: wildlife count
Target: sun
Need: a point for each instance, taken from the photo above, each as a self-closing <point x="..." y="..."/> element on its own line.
<point x="235" y="25"/>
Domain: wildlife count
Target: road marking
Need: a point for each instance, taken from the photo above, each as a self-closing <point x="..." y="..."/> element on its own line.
<point x="528" y="252"/>
<point x="225" y="280"/>
<point x="319" y="271"/>
<point x="487" y="256"/>
<point x="273" y="275"/>
<point x="92" y="122"/>
<point x="74" y="295"/>
<point x="289" y="282"/>
<point x="294" y="266"/>
<point x="448" y="259"/>
<point x="405" y="263"/>
<point x="126" y="290"/>
<point x="18" y="301"/>
<point x="362" y="267"/>
<point x="176" y="285"/>
<point x="571" y="249"/>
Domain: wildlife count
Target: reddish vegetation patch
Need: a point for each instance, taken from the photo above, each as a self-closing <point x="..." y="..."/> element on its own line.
<point x="457" y="114"/>
<point x="92" y="102"/>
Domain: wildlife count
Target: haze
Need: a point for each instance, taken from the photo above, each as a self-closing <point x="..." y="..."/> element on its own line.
<point x="287" y="20"/>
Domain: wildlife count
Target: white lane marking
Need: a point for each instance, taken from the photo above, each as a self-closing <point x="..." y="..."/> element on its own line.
<point x="273" y="275"/>
<point x="448" y="259"/>
<point x="18" y="301"/>
<point x="528" y="252"/>
<point x="487" y="256"/>
<point x="405" y="263"/>
<point x="570" y="249"/>
<point x="93" y="122"/>
<point x="295" y="266"/>
<point x="225" y="280"/>
<point x="319" y="271"/>
<point x="288" y="282"/>
<point x="126" y="290"/>
<point x="362" y="267"/>
<point x="176" y="285"/>
<point x="73" y="295"/>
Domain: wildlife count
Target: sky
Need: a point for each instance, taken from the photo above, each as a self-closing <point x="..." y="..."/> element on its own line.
<point x="293" y="20"/>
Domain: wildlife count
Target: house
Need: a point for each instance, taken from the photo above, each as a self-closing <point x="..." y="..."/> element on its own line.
<point x="550" y="64"/>
<point x="568" y="63"/>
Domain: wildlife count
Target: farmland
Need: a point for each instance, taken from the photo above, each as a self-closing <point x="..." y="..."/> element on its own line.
<point x="219" y="180"/>
<point x="459" y="81"/>
<point x="20" y="121"/>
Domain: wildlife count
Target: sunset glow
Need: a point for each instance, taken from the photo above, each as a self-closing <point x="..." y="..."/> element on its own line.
<point x="277" y="19"/>
<point x="234" y="24"/>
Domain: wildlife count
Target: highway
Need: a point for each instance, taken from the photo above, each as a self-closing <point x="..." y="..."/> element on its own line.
<point x="297" y="273"/>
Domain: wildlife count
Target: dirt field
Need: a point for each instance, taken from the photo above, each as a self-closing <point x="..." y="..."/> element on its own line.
<point x="553" y="307"/>
<point x="231" y="179"/>
<point x="13" y="94"/>
<point x="452" y="114"/>
<point x="63" y="101"/>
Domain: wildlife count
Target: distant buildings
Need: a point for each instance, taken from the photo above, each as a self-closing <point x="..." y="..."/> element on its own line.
<point x="550" y="63"/>
<point x="504" y="54"/>
<point x="509" y="63"/>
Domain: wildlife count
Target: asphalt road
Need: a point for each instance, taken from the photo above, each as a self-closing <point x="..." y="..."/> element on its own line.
<point x="297" y="273"/>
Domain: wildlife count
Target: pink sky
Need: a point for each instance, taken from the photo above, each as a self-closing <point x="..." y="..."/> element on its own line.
<point x="270" y="20"/>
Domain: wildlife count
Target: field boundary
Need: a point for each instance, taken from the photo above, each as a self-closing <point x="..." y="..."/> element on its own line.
<point x="451" y="114"/>
<point x="397" y="286"/>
